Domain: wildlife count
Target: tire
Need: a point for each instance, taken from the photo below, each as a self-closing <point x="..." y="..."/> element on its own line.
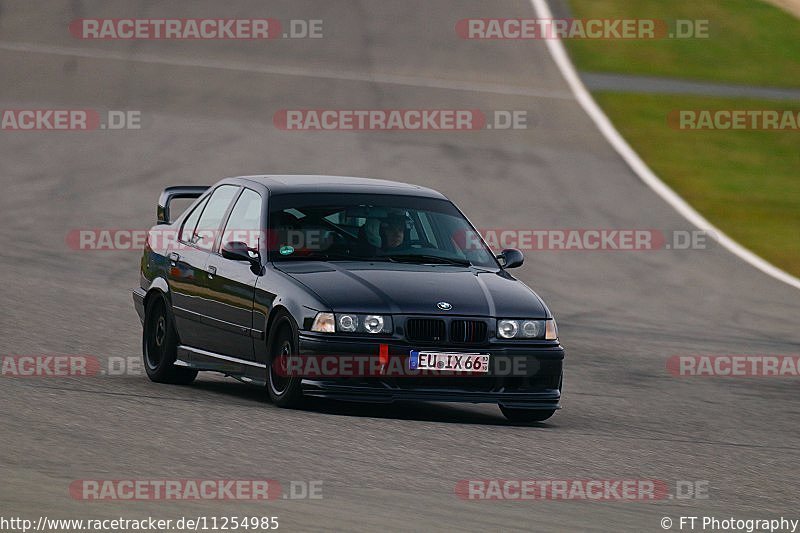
<point x="526" y="415"/>
<point x="284" y="391"/>
<point x="160" y="346"/>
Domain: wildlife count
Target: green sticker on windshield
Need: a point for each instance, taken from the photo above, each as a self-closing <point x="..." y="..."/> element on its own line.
<point x="286" y="250"/>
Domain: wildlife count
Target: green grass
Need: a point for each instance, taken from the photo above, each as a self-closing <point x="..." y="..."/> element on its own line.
<point x="747" y="183"/>
<point x="750" y="42"/>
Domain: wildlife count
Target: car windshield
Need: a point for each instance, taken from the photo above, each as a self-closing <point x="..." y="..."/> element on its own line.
<point x="373" y="227"/>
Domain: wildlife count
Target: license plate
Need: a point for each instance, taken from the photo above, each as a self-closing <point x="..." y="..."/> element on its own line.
<point x="475" y="363"/>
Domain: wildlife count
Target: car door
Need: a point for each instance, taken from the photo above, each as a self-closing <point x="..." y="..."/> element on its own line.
<point x="184" y="276"/>
<point x="231" y="284"/>
<point x="187" y="267"/>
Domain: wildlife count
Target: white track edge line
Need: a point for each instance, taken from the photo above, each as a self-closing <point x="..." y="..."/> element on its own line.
<point x="607" y="129"/>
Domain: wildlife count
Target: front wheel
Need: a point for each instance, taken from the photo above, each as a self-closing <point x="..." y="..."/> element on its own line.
<point x="284" y="390"/>
<point x="160" y="346"/>
<point x="526" y="415"/>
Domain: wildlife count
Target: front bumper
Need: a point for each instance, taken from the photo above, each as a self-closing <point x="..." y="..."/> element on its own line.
<point x="530" y="377"/>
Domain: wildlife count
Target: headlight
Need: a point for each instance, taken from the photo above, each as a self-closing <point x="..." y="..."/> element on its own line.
<point x="507" y="329"/>
<point x="527" y="329"/>
<point x="371" y="324"/>
<point x="323" y="323"/>
<point x="531" y="328"/>
<point x="348" y="323"/>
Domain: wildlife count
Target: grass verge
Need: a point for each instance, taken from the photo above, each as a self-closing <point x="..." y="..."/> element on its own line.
<point x="750" y="43"/>
<point x="747" y="183"/>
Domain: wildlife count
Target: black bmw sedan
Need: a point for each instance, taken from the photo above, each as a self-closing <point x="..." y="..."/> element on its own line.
<point x="343" y="288"/>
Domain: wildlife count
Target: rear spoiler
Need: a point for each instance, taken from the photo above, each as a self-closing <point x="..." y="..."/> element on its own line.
<point x="179" y="191"/>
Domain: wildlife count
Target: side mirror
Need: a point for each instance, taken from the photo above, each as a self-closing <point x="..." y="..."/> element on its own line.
<point x="511" y="258"/>
<point x="239" y="251"/>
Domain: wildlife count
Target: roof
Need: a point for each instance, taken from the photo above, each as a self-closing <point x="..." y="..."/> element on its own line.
<point x="282" y="184"/>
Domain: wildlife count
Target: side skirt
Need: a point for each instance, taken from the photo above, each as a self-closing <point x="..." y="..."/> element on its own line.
<point x="250" y="372"/>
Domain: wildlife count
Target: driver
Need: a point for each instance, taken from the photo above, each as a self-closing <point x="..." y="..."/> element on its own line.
<point x="393" y="232"/>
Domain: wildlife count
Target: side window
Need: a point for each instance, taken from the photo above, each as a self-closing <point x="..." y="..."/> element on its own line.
<point x="211" y="219"/>
<point x="244" y="224"/>
<point x="187" y="230"/>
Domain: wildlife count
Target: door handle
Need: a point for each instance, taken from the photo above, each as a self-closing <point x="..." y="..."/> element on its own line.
<point x="212" y="271"/>
<point x="174" y="256"/>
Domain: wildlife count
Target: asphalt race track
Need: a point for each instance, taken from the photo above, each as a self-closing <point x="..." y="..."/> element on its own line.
<point x="207" y="111"/>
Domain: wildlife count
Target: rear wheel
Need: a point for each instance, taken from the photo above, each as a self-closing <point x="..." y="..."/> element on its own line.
<point x="160" y="346"/>
<point x="284" y="390"/>
<point x="526" y="415"/>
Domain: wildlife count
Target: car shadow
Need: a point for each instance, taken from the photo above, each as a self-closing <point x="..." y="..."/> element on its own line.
<point x="448" y="413"/>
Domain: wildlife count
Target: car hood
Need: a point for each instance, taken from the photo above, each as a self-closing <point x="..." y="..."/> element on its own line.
<point x="416" y="289"/>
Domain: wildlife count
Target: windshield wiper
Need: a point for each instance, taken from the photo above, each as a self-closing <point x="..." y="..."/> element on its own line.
<point x="332" y="256"/>
<point x="423" y="258"/>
